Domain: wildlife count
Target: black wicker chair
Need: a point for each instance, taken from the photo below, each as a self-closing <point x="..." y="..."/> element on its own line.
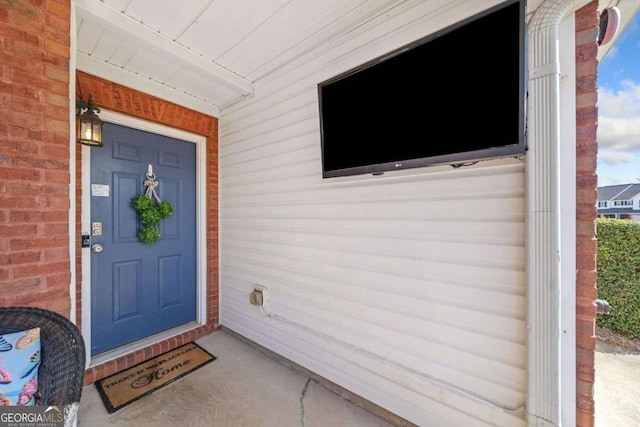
<point x="61" y="371"/>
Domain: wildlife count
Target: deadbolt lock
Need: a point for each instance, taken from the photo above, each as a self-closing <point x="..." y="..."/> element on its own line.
<point x="96" y="229"/>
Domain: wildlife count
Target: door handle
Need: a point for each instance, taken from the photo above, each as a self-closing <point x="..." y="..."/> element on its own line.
<point x="97" y="248"/>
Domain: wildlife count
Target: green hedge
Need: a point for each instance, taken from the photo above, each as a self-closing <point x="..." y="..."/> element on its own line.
<point x="618" y="275"/>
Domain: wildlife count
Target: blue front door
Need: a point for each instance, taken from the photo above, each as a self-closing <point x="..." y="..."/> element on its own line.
<point x="138" y="290"/>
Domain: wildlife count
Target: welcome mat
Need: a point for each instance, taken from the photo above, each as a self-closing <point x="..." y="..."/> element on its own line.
<point x="123" y="388"/>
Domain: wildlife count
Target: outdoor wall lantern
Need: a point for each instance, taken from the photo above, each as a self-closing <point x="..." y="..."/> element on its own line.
<point x="88" y="122"/>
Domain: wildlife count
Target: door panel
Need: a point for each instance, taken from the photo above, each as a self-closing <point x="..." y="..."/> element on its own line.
<point x="127" y="289"/>
<point x="169" y="280"/>
<point x="125" y="227"/>
<point x="138" y="290"/>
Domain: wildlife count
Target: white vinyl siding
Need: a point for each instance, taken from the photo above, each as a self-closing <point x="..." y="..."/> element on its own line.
<point x="408" y="288"/>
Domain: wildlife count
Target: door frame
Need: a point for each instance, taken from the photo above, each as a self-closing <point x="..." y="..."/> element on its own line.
<point x="201" y="235"/>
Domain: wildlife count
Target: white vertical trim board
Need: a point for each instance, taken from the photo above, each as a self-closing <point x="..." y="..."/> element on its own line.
<point x="551" y="215"/>
<point x="72" y="165"/>
<point x="568" y="224"/>
<point x="407" y="289"/>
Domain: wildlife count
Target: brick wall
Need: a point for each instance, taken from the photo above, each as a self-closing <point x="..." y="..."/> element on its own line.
<point x="586" y="183"/>
<point x="35" y="268"/>
<point x="121" y="99"/>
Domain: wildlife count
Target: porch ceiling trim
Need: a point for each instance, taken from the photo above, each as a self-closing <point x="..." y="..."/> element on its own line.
<point x="119" y="75"/>
<point x="128" y="28"/>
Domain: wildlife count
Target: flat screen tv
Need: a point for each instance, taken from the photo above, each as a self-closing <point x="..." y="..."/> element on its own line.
<point x="453" y="97"/>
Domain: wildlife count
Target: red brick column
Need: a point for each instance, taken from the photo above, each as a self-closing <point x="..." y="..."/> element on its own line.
<point x="586" y="191"/>
<point x="35" y="269"/>
<point x="128" y="101"/>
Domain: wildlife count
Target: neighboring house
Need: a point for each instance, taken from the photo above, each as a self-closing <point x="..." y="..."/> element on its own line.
<point x="619" y="201"/>
<point x="448" y="296"/>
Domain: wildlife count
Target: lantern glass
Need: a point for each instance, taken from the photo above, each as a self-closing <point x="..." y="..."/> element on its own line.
<point x="97" y="132"/>
<point x="85" y="131"/>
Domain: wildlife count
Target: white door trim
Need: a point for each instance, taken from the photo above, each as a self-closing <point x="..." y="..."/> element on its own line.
<point x="201" y="232"/>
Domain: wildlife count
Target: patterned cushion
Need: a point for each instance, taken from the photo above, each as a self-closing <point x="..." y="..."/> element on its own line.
<point x="19" y="361"/>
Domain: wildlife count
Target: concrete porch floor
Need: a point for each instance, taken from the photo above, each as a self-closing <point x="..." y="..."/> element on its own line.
<point x="243" y="387"/>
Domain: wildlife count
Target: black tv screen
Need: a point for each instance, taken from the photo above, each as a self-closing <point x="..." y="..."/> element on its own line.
<point x="453" y="97"/>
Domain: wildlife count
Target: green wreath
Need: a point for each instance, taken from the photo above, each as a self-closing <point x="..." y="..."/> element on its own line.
<point x="150" y="215"/>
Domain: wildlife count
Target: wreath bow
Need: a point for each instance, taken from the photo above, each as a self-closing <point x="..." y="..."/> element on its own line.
<point x="149" y="211"/>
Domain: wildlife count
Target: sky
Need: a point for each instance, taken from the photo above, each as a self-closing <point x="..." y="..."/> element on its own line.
<point x="619" y="110"/>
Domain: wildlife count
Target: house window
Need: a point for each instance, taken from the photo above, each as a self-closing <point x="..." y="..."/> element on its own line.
<point x="603" y="204"/>
<point x="622" y="203"/>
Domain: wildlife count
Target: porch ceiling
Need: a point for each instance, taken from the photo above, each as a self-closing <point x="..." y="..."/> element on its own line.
<point x="207" y="54"/>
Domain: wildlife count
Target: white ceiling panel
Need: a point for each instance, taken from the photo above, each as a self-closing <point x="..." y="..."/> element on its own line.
<point x="160" y="68"/>
<point x="87" y="36"/>
<point x="214" y="91"/>
<point x="189" y="81"/>
<point x="106" y="45"/>
<point x="140" y="60"/>
<point x="327" y="27"/>
<point x="201" y="87"/>
<point x="118" y="5"/>
<point x="181" y="16"/>
<point x="267" y="47"/>
<point x="123" y="54"/>
<point x="216" y="34"/>
<point x="268" y="39"/>
<point x="206" y="22"/>
<point x="142" y="11"/>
